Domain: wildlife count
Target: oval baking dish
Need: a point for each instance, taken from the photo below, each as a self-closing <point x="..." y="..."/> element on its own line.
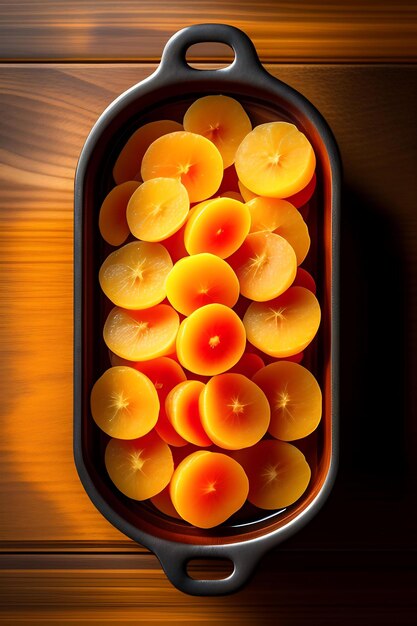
<point x="166" y="94"/>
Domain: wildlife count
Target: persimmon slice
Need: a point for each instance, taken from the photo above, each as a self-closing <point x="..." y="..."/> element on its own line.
<point x="302" y="197"/>
<point x="129" y="160"/>
<point x="221" y="119"/>
<point x="284" y="326"/>
<point x="211" y="340"/>
<point x="275" y="160"/>
<point x="134" y="276"/>
<point x="182" y="409"/>
<point x="189" y="157"/>
<point x="201" y="279"/>
<point x="295" y="399"/>
<point x="265" y="265"/>
<point x="157" y="209"/>
<point x="124" y="403"/>
<point x="141" y="335"/>
<point x="303" y="278"/>
<point x="235" y="412"/>
<point x="218" y="226"/>
<point x="162" y="500"/>
<point x="278" y="473"/>
<point x="282" y="218"/>
<point x="248" y="364"/>
<point x="112" y="220"/>
<point x="140" y="468"/>
<point x="207" y="488"/>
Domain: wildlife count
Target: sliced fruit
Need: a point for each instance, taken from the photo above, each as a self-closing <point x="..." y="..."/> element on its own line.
<point x="248" y="365"/>
<point x="211" y="340"/>
<point x="207" y="488"/>
<point x="189" y="157"/>
<point x="295" y="399"/>
<point x="140" y="468"/>
<point x="124" y="403"/>
<point x="182" y="409"/>
<point x="129" y="160"/>
<point x="304" y="279"/>
<point x="278" y="473"/>
<point x="112" y="220"/>
<point x="235" y="412"/>
<point x="162" y="501"/>
<point x="175" y="245"/>
<point x="275" y="160"/>
<point x="246" y="193"/>
<point x="235" y="195"/>
<point x="201" y="279"/>
<point x="221" y="119"/>
<point x="218" y="226"/>
<point x="134" y="276"/>
<point x="302" y="197"/>
<point x="265" y="265"/>
<point x="282" y="218"/>
<point x="284" y="326"/>
<point x="141" y="335"/>
<point x="157" y="209"/>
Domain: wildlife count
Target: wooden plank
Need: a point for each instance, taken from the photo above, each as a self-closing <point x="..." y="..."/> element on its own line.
<point x="290" y="589"/>
<point x="45" y="115"/>
<point x="282" y="31"/>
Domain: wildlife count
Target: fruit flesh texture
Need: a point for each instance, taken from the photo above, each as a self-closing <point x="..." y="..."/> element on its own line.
<point x="275" y="160"/>
<point x="278" y="473"/>
<point x="134" y="276"/>
<point x="124" y="403"/>
<point x="141" y="335"/>
<point x="220" y="119"/>
<point x="128" y="162"/>
<point x="211" y="340"/>
<point x="218" y="226"/>
<point x="157" y="209"/>
<point x="294" y="397"/>
<point x="284" y="326"/>
<point x="199" y="280"/>
<point x="140" y="468"/>
<point x="182" y="409"/>
<point x="265" y="265"/>
<point x="189" y="157"/>
<point x="282" y="218"/>
<point x="235" y="412"/>
<point x="302" y="197"/>
<point x="112" y="220"/>
<point x="162" y="500"/>
<point x="165" y="374"/>
<point x="207" y="488"/>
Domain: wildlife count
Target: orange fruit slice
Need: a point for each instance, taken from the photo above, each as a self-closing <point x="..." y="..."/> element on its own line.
<point x="134" y="276"/>
<point x="141" y="335"/>
<point x="278" y="473"/>
<point x="234" y="411"/>
<point x="275" y="160"/>
<point x="221" y="119"/>
<point x="284" y="326"/>
<point x="302" y="197"/>
<point x="112" y="220"/>
<point x="282" y="218"/>
<point x="157" y="209"/>
<point x="189" y="157"/>
<point x="201" y="279"/>
<point x="248" y="365"/>
<point x="265" y="265"/>
<point x="124" y="403"/>
<point x="304" y="279"/>
<point x="207" y="488"/>
<point x="211" y="340"/>
<point x="295" y="399"/>
<point x="182" y="409"/>
<point x="140" y="468"/>
<point x="129" y="160"/>
<point x="218" y="226"/>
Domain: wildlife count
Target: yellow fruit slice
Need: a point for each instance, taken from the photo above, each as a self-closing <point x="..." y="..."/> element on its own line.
<point x="112" y="220"/>
<point x="134" y="276"/>
<point x="275" y="160"/>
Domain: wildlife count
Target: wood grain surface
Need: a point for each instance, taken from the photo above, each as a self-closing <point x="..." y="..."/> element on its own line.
<point x="61" y="561"/>
<point x="305" y="31"/>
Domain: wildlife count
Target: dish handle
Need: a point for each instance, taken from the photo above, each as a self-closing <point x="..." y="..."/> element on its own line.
<point x="174" y="63"/>
<point x="244" y="558"/>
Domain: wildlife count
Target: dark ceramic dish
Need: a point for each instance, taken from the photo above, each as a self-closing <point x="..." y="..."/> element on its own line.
<point x="167" y="94"/>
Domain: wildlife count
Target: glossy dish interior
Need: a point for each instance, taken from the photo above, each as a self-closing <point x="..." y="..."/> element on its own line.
<point x="171" y="104"/>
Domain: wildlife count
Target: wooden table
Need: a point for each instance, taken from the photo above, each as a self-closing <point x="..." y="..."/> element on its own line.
<point x="61" y="561"/>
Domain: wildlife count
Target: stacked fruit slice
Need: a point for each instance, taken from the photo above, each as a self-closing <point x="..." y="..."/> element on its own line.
<point x="212" y="313"/>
